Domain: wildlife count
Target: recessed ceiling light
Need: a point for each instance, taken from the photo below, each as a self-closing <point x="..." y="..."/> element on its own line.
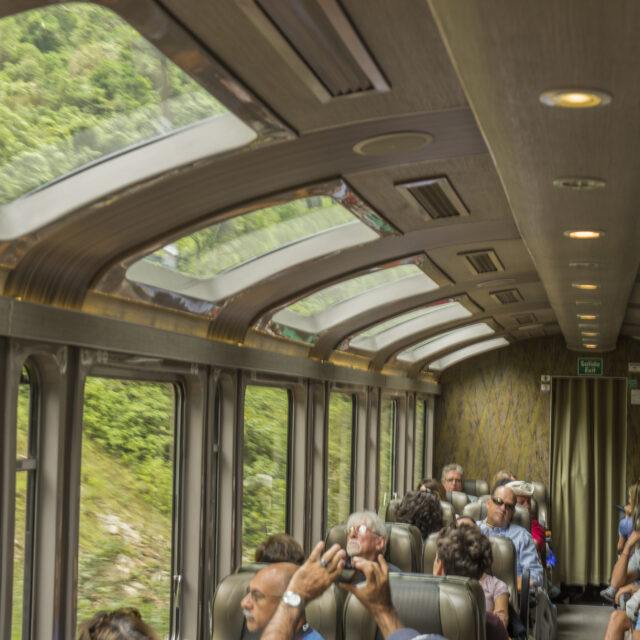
<point x="584" y="234"/>
<point x="584" y="265"/>
<point x="587" y="316"/>
<point x="590" y="334"/>
<point x="575" y="98"/>
<point x="585" y="286"/>
<point x="578" y="183"/>
<point x="590" y="346"/>
<point x="591" y="303"/>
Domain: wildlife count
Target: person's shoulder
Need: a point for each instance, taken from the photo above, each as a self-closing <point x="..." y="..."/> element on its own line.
<point x="312" y="634"/>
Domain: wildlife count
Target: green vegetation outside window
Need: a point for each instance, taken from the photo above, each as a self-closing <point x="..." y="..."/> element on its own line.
<point x="126" y="499"/>
<point x="418" y="443"/>
<point x="265" y="465"/>
<point x="24" y="509"/>
<point x="78" y="84"/>
<point x="339" y="458"/>
<point x="386" y="452"/>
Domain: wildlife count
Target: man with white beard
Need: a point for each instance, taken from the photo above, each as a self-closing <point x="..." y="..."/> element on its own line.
<point x="366" y="538"/>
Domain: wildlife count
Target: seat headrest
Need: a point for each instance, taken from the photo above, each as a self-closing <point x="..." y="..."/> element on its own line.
<point x="451" y="606"/>
<point x="458" y="499"/>
<point x="504" y="565"/>
<point x="475" y="487"/>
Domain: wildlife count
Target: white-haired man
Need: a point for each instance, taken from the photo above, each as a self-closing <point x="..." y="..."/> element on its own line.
<point x="453" y="477"/>
<point x="367" y="537"/>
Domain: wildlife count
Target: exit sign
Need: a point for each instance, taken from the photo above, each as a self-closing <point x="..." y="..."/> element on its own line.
<point x="589" y="366"/>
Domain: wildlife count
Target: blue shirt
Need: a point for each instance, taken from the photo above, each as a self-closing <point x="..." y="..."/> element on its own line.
<point x="526" y="554"/>
<point x="412" y="634"/>
<point x="625" y="527"/>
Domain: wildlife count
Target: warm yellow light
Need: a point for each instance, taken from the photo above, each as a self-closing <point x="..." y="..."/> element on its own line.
<point x="591" y="346"/>
<point x="584" y="234"/>
<point x="587" y="316"/>
<point x="585" y="286"/>
<point x="575" y="98"/>
<point x="590" y="334"/>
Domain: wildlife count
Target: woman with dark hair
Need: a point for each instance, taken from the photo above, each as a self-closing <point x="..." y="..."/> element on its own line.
<point x="465" y="551"/>
<point x="121" y="624"/>
<point x="434" y="486"/>
<point x="421" y="509"/>
<point x="280" y="547"/>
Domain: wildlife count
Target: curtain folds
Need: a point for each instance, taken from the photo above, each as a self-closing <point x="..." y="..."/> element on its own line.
<point x="588" y="471"/>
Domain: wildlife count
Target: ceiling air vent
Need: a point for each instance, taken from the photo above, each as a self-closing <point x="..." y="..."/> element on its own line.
<point x="319" y="42"/>
<point x="436" y="196"/>
<point x="525" y="318"/>
<point x="507" y="296"/>
<point x="484" y="261"/>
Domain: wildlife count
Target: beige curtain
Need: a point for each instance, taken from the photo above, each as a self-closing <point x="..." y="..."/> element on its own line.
<point x="588" y="470"/>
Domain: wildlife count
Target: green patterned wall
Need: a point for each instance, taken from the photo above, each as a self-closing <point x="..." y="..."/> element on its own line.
<point x="492" y="415"/>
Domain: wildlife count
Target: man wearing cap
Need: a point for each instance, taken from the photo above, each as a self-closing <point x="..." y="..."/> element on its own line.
<point x="524" y="491"/>
<point x="501" y="506"/>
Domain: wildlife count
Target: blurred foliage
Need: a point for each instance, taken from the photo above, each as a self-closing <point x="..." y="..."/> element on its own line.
<point x="78" y="83"/>
<point x="418" y="443"/>
<point x="388" y="417"/>
<point x="339" y="474"/>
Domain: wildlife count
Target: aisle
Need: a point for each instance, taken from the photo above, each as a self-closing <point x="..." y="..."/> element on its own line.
<point x="582" y="621"/>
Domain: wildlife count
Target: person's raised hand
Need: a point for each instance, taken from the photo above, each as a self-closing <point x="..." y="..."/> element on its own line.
<point x="318" y="572"/>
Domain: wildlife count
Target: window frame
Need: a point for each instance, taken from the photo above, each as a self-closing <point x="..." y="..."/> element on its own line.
<point x="395" y="413"/>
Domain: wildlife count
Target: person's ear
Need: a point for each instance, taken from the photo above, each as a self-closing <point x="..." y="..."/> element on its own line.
<point x="438" y="569"/>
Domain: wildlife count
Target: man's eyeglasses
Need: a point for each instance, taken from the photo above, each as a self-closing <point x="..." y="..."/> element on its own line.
<point x="360" y="529"/>
<point x="499" y="502"/>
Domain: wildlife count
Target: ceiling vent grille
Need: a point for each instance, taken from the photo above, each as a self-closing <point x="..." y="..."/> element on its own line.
<point x="507" y="296"/>
<point x="323" y="37"/>
<point x="484" y="261"/>
<point x="436" y="196"/>
<point x="525" y="318"/>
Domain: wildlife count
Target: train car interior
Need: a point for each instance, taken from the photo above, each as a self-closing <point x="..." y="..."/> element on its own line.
<point x="264" y="263"/>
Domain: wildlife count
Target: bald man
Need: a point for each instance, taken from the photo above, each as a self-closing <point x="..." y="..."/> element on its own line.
<point x="266" y="590"/>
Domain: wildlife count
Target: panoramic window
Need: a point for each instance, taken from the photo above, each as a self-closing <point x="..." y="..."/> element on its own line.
<point x="386" y="454"/>
<point x="126" y="499"/>
<point x="226" y="257"/>
<point x="265" y="464"/>
<point x="79" y="85"/>
<point x="425" y="318"/>
<point x="339" y="457"/>
<point x="433" y="345"/>
<point x="419" y="442"/>
<point x="305" y="319"/>
<point x="467" y="352"/>
<point x="24" y="509"/>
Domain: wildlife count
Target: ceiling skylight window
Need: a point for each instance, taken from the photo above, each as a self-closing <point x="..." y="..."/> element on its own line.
<point x="419" y="320"/>
<point x="433" y="345"/>
<point x="467" y="352"/>
<point x="313" y="314"/>
<point x="224" y="258"/>
<point x="80" y="85"/>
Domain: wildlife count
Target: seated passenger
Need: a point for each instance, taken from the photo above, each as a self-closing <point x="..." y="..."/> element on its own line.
<point x="463" y="550"/>
<point x="453" y="477"/>
<point x="500" y="508"/>
<point x="317" y="574"/>
<point x="524" y="491"/>
<point x="267" y="588"/>
<point x="433" y="485"/>
<point x="121" y="624"/>
<point x="503" y="474"/>
<point x="366" y="537"/>
<point x="422" y="510"/>
<point x="280" y="547"/>
<point x="625" y="572"/>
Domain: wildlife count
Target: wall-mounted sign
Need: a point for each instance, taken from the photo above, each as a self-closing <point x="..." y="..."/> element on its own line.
<point x="589" y="366"/>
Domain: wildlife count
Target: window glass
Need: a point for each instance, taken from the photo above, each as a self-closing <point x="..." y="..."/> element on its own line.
<point x="80" y="84"/>
<point x="330" y="296"/>
<point x="467" y="352"/>
<point x="227" y="244"/>
<point x="418" y="443"/>
<point x="340" y="438"/>
<point x="384" y="333"/>
<point x="265" y="463"/>
<point x="24" y="510"/>
<point x="388" y="418"/>
<point x="126" y="499"/>
<point x="444" y="340"/>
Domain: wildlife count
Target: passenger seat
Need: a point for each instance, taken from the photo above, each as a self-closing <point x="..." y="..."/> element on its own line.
<point x="458" y="499"/>
<point x="478" y="511"/>
<point x="450" y="606"/>
<point x="475" y="487"/>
